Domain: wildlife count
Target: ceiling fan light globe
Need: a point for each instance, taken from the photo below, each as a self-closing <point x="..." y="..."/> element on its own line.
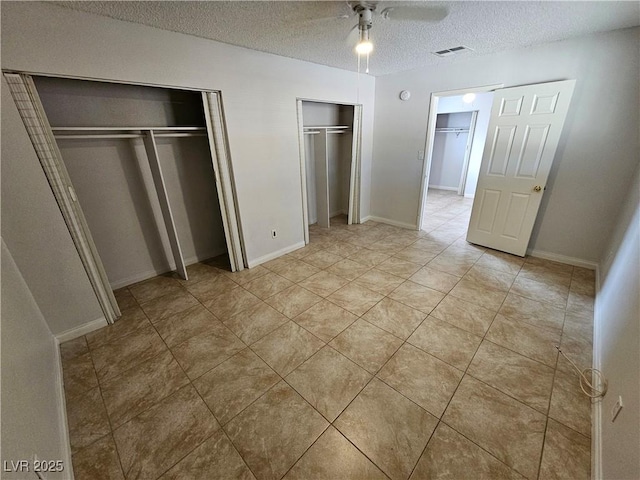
<point x="364" y="47"/>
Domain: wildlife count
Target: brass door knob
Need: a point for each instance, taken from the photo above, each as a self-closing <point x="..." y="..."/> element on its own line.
<point x="537" y="188"/>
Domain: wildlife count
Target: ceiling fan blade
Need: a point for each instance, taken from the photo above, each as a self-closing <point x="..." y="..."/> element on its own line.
<point x="415" y="13"/>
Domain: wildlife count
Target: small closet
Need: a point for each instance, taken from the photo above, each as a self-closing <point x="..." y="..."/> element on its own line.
<point x="140" y="162"/>
<point x="451" y="149"/>
<point x="329" y="151"/>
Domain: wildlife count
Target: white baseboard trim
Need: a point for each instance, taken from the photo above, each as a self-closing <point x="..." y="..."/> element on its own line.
<point x="387" y="221"/>
<point x="154" y="273"/>
<point x="443" y="187"/>
<point x="469" y="195"/>
<point x="596" y="409"/>
<point x="270" y="256"/>
<point x="65" y="443"/>
<point x="81" y="330"/>
<point x="554" y="257"/>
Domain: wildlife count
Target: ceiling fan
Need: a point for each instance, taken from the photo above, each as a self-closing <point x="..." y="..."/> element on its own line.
<point x="367" y="10"/>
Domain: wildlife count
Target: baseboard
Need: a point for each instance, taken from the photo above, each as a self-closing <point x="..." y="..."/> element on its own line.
<point x="81" y="330"/>
<point x="278" y="253"/>
<point x="339" y="212"/>
<point x="443" y="187"/>
<point x="154" y="273"/>
<point x="596" y="409"/>
<point x="469" y="195"/>
<point x="65" y="443"/>
<point x="387" y="221"/>
<point x="554" y="257"/>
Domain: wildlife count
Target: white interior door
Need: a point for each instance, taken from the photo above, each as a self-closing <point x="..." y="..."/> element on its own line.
<point x="524" y="130"/>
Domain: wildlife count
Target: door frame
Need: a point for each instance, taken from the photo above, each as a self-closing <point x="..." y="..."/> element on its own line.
<point x="355" y="171"/>
<point x="430" y="137"/>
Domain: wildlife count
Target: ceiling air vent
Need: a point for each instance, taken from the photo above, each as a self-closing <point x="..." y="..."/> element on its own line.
<point x="447" y="52"/>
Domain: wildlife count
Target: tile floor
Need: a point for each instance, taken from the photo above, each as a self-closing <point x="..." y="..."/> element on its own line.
<point x="374" y="352"/>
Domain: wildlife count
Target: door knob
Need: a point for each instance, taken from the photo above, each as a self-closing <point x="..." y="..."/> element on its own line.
<point x="537" y="188"/>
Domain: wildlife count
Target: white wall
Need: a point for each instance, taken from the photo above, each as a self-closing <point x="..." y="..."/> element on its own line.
<point x="617" y="340"/>
<point x="35" y="232"/>
<point x="259" y="94"/>
<point x="31" y="390"/>
<point x="482" y="104"/>
<point x="598" y="150"/>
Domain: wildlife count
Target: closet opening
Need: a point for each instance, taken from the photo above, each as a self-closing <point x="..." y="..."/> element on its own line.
<point x="140" y="173"/>
<point x="330" y="163"/>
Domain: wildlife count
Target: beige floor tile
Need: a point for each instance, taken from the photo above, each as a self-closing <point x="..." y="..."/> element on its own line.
<point x="155" y="287"/>
<point x="139" y="388"/>
<point x="342" y="249"/>
<point x="79" y="375"/>
<point x="293" y="301"/>
<point x="518" y="376"/>
<point x="501" y="261"/>
<point x="267" y="285"/>
<point x="233" y="385"/>
<point x="73" y="348"/>
<point x="544" y="274"/>
<point x="87" y="419"/>
<point x="582" y="285"/>
<point x="530" y="311"/>
<point x="168" y="305"/>
<point x="295" y="270"/>
<point x="391" y="430"/>
<point x="395" y="317"/>
<point x="348" y="269"/>
<point x="490" y="278"/>
<point x="198" y="272"/>
<point x="416" y="255"/>
<point x="416" y="296"/>
<point x="386" y="246"/>
<point x="355" y="298"/>
<point x="233" y="302"/>
<point x="155" y="440"/>
<point x="449" y="455"/>
<point x="97" y="461"/>
<point x="552" y="294"/>
<point x="580" y="304"/>
<point x="533" y="342"/>
<point x="476" y="293"/>
<point x="131" y="320"/>
<point x="435" y="279"/>
<point x="378" y="281"/>
<point x="368" y="258"/>
<point x="569" y="405"/>
<point x="201" y="353"/>
<point x="325" y="320"/>
<point x="247" y="274"/>
<point x="323" y="283"/>
<point x="215" y="459"/>
<point x="287" y="347"/>
<point x="210" y="288"/>
<point x="322" y="259"/>
<point x="446" y="342"/>
<point x="184" y="325"/>
<point x="504" y="427"/>
<point x="333" y="457"/>
<point x="399" y="267"/>
<point x="125" y="299"/>
<point x="422" y="378"/>
<point x="465" y="315"/>
<point x="301" y="252"/>
<point x="256" y="322"/>
<point x="454" y="264"/>
<point x="274" y="432"/>
<point x="367" y="345"/>
<point x="328" y="381"/>
<point x="566" y="455"/>
<point x="118" y="356"/>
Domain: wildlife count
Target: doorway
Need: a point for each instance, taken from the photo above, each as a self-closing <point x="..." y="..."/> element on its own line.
<point x="456" y="134"/>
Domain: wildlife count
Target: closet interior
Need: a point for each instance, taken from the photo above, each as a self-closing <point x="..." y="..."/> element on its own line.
<point x="329" y="155"/>
<point x="140" y="162"/>
<point x="451" y="149"/>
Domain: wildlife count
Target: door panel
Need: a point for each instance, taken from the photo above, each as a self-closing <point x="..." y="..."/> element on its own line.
<point x="524" y="130"/>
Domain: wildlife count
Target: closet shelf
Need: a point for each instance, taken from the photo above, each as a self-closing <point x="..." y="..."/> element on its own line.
<point x="331" y="129"/>
<point x="86" y="133"/>
<point x="451" y="130"/>
<point x="118" y="129"/>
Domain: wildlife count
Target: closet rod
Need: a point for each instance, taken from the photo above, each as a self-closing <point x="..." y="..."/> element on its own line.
<point x="122" y="129"/>
<point x="451" y="130"/>
<point x="89" y="137"/>
<point x="174" y="135"/>
<point x="326" y="127"/>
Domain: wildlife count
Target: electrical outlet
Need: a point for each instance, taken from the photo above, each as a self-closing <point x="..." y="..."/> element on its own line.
<point x="615" y="411"/>
<point x="274" y="234"/>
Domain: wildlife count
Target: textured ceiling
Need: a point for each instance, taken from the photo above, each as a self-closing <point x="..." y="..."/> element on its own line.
<point x="318" y="31"/>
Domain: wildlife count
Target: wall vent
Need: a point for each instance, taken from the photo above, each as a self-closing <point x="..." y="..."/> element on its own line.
<point x="447" y="52"/>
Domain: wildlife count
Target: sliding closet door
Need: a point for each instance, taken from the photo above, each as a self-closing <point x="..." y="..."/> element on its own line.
<point x="216" y="131"/>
